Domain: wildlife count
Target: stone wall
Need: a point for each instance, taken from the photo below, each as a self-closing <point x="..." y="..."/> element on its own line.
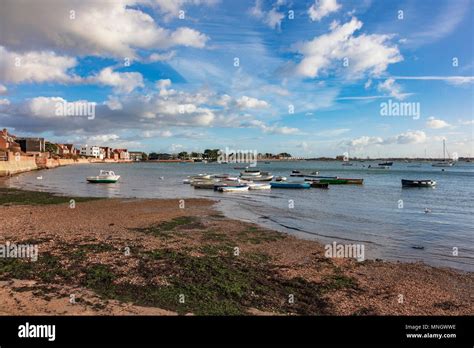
<point x="16" y="165"/>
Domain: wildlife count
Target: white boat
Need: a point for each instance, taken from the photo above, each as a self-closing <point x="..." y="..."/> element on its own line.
<point x="253" y="172"/>
<point x="444" y="162"/>
<point x="104" y="177"/>
<point x="239" y="188"/>
<point x="259" y="186"/>
<point x="257" y="177"/>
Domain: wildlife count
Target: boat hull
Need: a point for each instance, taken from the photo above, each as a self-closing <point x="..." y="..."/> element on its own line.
<point x="289" y="185"/>
<point x="102" y="181"/>
<point x="319" y="185"/>
<point x="418" y="183"/>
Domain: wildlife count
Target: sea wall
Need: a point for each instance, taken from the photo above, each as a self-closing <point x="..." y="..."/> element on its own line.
<point x="15" y="165"/>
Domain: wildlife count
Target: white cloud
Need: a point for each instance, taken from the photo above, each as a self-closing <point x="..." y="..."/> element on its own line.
<point x="157" y="133"/>
<point x="322" y="8"/>
<point x="3" y="89"/>
<point x="366" y="54"/>
<point x="436" y="123"/>
<point x="102" y="139"/>
<point x="453" y="80"/>
<point x="392" y="88"/>
<point x="272" y="18"/>
<point x="122" y="82"/>
<point x="4" y="101"/>
<point x="365" y="141"/>
<point x="49" y="107"/>
<point x="409" y="137"/>
<point x="172" y="7"/>
<point x="33" y="66"/>
<point x="114" y="103"/>
<point x="159" y="57"/>
<point x="273" y="129"/>
<point x="251" y="103"/>
<point x="110" y="28"/>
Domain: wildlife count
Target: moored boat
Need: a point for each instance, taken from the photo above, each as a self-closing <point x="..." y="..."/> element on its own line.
<point x="319" y="185"/>
<point x="104" y="177"/>
<point x="444" y="162"/>
<point x="353" y="181"/>
<point x="237" y="188"/>
<point x="388" y="163"/>
<point x="256" y="186"/>
<point x="418" y="183"/>
<point x="253" y="172"/>
<point x="289" y="184"/>
<point x="203" y="185"/>
<point x="257" y="177"/>
<point x="379" y="167"/>
<point x="333" y="181"/>
<point x="280" y="178"/>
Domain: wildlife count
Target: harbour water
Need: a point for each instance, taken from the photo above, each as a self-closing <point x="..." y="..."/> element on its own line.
<point x="389" y="220"/>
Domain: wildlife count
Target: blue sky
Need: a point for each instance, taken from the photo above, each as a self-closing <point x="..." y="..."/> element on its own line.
<point x="310" y="79"/>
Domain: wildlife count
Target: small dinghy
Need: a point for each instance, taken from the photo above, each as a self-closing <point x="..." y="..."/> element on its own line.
<point x="104" y="177"/>
<point x="280" y="178"/>
<point x="255" y="186"/>
<point x="238" y="188"/>
<point x="203" y="185"/>
<point x="252" y="172"/>
<point x="316" y="184"/>
<point x="418" y="183"/>
<point x="200" y="176"/>
<point x="290" y="185"/>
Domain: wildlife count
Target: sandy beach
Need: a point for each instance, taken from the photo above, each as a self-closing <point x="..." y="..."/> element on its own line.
<point x="156" y="257"/>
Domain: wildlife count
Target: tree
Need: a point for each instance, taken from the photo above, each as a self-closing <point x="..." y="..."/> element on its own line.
<point x="153" y="156"/>
<point x="51" y="148"/>
<point x="183" y="155"/>
<point x="284" y="155"/>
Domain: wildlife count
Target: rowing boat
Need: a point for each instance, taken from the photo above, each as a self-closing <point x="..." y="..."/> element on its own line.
<point x="418" y="183"/>
<point x="238" y="188"/>
<point x="319" y="185"/>
<point x="292" y="185"/>
<point x="353" y="181"/>
<point x="254" y="186"/>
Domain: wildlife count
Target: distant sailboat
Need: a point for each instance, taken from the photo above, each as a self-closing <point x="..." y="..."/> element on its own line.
<point x="444" y="163"/>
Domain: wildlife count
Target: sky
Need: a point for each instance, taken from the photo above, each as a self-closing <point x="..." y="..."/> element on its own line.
<point x="308" y="77"/>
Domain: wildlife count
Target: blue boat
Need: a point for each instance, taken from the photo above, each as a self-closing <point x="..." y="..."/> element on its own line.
<point x="292" y="185"/>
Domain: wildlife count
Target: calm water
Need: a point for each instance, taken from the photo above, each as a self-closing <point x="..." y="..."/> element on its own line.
<point x="368" y="214"/>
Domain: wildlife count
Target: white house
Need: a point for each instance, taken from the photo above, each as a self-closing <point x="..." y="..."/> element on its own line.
<point x="91" y="151"/>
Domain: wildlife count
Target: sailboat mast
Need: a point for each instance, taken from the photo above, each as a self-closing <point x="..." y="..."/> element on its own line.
<point x="444" y="150"/>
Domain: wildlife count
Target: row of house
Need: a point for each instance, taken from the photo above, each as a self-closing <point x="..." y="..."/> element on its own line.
<point x="105" y="152"/>
<point x="10" y="143"/>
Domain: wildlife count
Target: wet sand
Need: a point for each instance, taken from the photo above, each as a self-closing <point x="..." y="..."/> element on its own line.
<point x="154" y="257"/>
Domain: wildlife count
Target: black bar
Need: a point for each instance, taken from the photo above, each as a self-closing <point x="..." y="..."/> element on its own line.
<point x="195" y="330"/>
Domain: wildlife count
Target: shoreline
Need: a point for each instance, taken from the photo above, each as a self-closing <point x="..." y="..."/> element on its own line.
<point x="191" y="251"/>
